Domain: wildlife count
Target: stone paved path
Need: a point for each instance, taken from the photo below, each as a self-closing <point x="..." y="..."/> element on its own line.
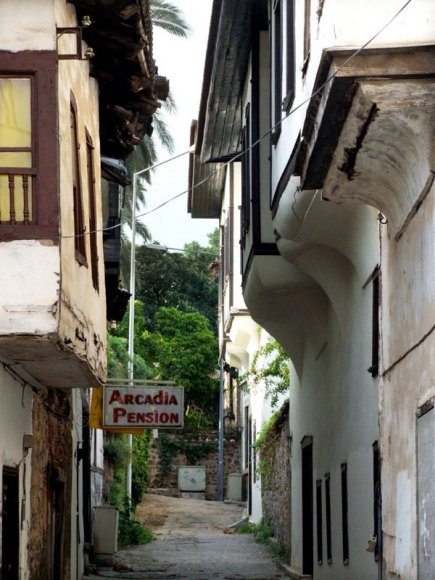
<point x="194" y="542"/>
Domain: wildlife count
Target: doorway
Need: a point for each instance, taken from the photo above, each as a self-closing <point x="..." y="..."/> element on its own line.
<point x="11" y="524"/>
<point x="307" y="506"/>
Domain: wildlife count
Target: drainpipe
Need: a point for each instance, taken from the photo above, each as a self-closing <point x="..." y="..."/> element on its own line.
<point x="221" y="434"/>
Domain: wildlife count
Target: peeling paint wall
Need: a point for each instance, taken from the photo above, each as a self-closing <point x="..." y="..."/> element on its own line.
<point x="408" y="339"/>
<point x="29" y="302"/>
<point x="82" y="307"/>
<point x="50" y="500"/>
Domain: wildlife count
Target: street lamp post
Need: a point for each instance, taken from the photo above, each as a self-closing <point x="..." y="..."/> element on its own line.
<point x="133" y="297"/>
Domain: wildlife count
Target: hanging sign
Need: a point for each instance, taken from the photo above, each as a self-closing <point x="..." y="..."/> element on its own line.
<point x="159" y="407"/>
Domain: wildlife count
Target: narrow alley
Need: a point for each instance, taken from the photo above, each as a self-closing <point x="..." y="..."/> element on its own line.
<point x="193" y="541"/>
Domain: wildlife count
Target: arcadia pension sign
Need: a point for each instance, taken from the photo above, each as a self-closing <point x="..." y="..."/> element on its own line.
<point x="144" y="407"/>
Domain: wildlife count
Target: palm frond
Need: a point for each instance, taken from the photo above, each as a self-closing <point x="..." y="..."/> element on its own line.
<point x="163" y="134"/>
<point x="167" y="16"/>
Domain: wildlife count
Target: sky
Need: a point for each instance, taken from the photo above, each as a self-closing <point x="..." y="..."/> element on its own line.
<point x="182" y="62"/>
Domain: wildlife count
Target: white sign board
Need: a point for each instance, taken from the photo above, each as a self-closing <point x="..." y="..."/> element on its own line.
<point x="157" y="407"/>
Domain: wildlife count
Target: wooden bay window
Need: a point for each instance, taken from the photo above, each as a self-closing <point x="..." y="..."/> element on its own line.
<point x="28" y="146"/>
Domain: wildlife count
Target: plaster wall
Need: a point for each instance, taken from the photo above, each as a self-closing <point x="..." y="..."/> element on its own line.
<point x="408" y="339"/>
<point x="15" y="422"/>
<point x="244" y="336"/>
<point x="334" y="401"/>
<point x="29" y="302"/>
<point x="28" y="24"/>
<point x="82" y="307"/>
<point x="260" y="411"/>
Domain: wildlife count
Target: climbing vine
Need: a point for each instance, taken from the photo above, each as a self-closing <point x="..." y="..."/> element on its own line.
<point x="269" y="367"/>
<point x="267" y="444"/>
<point x="170" y="447"/>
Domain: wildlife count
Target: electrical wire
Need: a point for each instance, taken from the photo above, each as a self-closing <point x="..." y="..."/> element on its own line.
<point x="268" y="132"/>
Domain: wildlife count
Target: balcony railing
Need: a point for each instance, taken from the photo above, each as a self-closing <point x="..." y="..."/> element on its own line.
<point x="16" y="196"/>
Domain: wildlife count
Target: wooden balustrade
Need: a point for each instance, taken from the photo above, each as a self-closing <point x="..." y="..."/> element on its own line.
<point x="16" y="196"/>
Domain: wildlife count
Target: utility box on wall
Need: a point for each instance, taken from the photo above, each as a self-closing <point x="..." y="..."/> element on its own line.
<point x="234" y="487"/>
<point x="191" y="478"/>
<point x="105" y="531"/>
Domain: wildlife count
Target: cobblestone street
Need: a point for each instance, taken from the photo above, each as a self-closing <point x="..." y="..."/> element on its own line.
<point x="193" y="542"/>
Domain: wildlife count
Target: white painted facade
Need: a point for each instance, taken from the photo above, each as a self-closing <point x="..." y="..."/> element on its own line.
<point x="340" y="240"/>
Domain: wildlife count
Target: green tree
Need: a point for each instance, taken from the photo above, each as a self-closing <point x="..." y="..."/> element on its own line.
<point x="186" y="350"/>
<point x="182" y="280"/>
<point x="117" y="351"/>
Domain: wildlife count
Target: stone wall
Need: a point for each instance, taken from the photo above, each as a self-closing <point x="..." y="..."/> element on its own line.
<point x="50" y="498"/>
<point x="276" y="498"/>
<point x="172" y="450"/>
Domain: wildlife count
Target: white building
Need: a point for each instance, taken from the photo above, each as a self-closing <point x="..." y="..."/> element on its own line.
<point x="329" y="106"/>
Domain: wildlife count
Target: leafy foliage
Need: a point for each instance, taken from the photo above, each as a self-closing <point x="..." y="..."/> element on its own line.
<point x="266" y="444"/>
<point x="264" y="534"/>
<point x="186" y="350"/>
<point x="131" y="531"/>
<point x="166" y="15"/>
<point x="140" y="474"/>
<point x="181" y="280"/>
<point x="169" y="447"/>
<point x="269" y="367"/>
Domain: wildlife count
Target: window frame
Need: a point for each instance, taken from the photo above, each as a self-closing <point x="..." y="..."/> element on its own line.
<point x="276" y="56"/>
<point x="307" y="36"/>
<point x="345" y="513"/>
<point x="319" y="522"/>
<point x="328" y="518"/>
<point x="40" y="67"/>
<point x="90" y="165"/>
<point x="291" y="61"/>
<point x="77" y="190"/>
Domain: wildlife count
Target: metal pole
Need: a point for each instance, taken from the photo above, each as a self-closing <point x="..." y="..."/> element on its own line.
<point x="131" y="320"/>
<point x="221" y="434"/>
<point x="133" y="297"/>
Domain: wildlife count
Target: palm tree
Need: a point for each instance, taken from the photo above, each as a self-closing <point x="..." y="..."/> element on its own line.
<point x="166" y="16"/>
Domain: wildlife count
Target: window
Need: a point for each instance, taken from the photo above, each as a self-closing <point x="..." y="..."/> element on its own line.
<point x="246" y="176"/>
<point x="246" y="437"/>
<point x="277" y="70"/>
<point x="228" y="247"/>
<point x="344" y="513"/>
<point x="374" y="368"/>
<point x="254" y="450"/>
<point x="319" y="522"/>
<point x="92" y="210"/>
<point x="307" y="506"/>
<point x="28" y="195"/>
<point x="290" y="55"/>
<point x="328" y="517"/>
<point x="16" y="150"/>
<point x="377" y="508"/>
<point x="307" y="35"/>
<point x="79" y="228"/>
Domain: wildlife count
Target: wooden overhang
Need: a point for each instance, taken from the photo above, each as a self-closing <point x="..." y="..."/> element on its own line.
<point x="206" y="184"/>
<point x="120" y="35"/>
<point x="217" y="131"/>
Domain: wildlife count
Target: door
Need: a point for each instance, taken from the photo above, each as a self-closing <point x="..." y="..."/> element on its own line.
<point x="426" y="494"/>
<point x="10" y="524"/>
<point x="307" y="506"/>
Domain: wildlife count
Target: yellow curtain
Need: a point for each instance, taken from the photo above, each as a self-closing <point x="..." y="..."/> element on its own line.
<point x="15" y="131"/>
